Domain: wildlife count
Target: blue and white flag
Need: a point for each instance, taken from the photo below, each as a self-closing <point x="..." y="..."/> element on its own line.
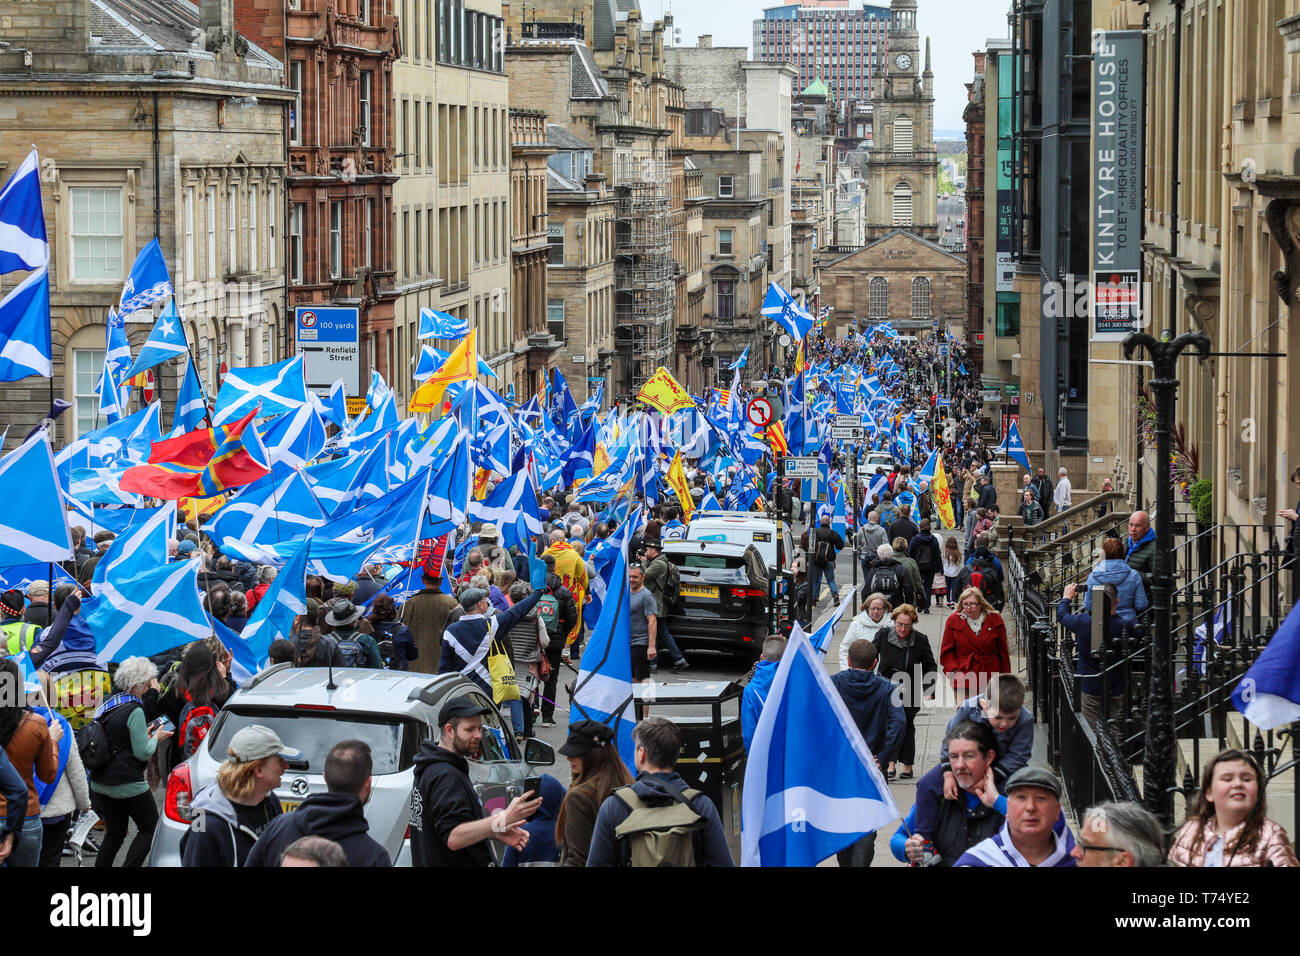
<point x="1222" y="630"/>
<point x="139" y="549"/>
<point x="166" y="341"/>
<point x="1014" y="446"/>
<point x="378" y="389"/>
<point x="333" y="483"/>
<point x="147" y="614"/>
<point x="441" y="325"/>
<point x="110" y="394"/>
<point x="335" y="408"/>
<point x="191" y="408"/>
<point x="25" y="329"/>
<point x="785" y="311"/>
<point x="117" y="347"/>
<point x="279" y="388"/>
<point x="283" y="601"/>
<point x="101" y="486"/>
<point x="603" y="690"/>
<point x="148" y="281"/>
<point x="272" y="509"/>
<point x="23" y="244"/>
<point x="821" y="638"/>
<point x="1269" y="693"/>
<point x="709" y="502"/>
<point x="34" y="524"/>
<point x="430" y="361"/>
<point x="371" y="482"/>
<point x="23" y="576"/>
<point x="811" y="786"/>
<point x="396" y="517"/>
<point x="449" y="490"/>
<point x="294" y="438"/>
<point x="512" y="507"/>
<point x="744" y="357"/>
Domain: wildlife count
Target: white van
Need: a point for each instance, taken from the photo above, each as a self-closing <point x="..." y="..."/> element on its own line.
<point x="741" y="527"/>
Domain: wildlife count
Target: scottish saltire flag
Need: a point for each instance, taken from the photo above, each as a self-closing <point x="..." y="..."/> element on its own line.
<point x="371" y="482"/>
<point x="1222" y="629"/>
<point x="144" y="615"/>
<point x="279" y="387"/>
<point x="740" y="362"/>
<point x="839" y="516"/>
<point x="563" y="404"/>
<point x="441" y="325"/>
<point x="876" y="485"/>
<point x="430" y="361"/>
<point x="191" y="408"/>
<point x="368" y="432"/>
<point x="1014" y="446"/>
<point x="23" y="576"/>
<point x="926" y="473"/>
<point x="272" y="509"/>
<point x="117" y="348"/>
<point x="378" y="389"/>
<point x="166" y="341"/>
<point x="821" y="638"/>
<point x="396" y="517"/>
<point x="512" y="507"/>
<point x="25" y="312"/>
<point x="142" y="547"/>
<point x="148" y="281"/>
<point x="294" y="438"/>
<point x="100" y="486"/>
<point x="811" y="787"/>
<point x="578" y="460"/>
<point x="33" y="523"/>
<point x="592" y="404"/>
<point x="336" y="408"/>
<point x="1269" y="693"/>
<point x="283" y="601"/>
<point x="709" y="502"/>
<point x="110" y="395"/>
<point x="603" y="690"/>
<point x="785" y="311"/>
<point x="449" y="490"/>
<point x="332" y="482"/>
<point x="23" y="245"/>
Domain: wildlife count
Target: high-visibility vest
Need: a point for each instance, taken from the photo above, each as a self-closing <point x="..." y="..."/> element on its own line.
<point x="19" y="636"/>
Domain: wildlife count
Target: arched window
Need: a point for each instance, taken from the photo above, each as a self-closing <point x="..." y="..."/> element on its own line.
<point x="879" y="298"/>
<point x="920" y="298"/>
<point x="903" y="204"/>
<point x="903" y="134"/>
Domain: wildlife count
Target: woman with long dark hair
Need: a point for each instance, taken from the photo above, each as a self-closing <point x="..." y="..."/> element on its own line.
<point x="1230" y="825"/>
<point x="597" y="771"/>
<point x="314" y="649"/>
<point x="27" y="741"/>
<point x="396" y="646"/>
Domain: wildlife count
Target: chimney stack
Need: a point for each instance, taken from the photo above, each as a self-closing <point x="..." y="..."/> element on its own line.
<point x="217" y="20"/>
<point x="706" y="41"/>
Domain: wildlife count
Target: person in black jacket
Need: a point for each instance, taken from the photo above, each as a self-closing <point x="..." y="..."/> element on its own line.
<point x="448" y="827"/>
<point x="906" y="659"/>
<point x="988" y="496"/>
<point x="314" y="649"/>
<point x="825" y="540"/>
<point x="338" y="814"/>
<point x="925" y="550"/>
<point x="903" y="526"/>
<point x="232" y="813"/>
<point x="555" y="650"/>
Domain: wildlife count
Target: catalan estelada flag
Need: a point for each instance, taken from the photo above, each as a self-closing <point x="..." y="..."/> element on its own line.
<point x="776" y="438"/>
<point x="461" y="366"/>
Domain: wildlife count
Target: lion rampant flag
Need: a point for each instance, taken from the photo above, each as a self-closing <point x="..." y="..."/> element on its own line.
<point x="461" y="366"/>
<point x="664" y="392"/>
<point x="677" y="481"/>
<point x="942" y="494"/>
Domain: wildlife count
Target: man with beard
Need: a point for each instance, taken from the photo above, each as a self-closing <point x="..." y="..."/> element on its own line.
<point x="448" y="827"/>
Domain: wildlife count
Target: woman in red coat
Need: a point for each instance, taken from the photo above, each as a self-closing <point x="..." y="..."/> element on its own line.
<point x="974" y="645"/>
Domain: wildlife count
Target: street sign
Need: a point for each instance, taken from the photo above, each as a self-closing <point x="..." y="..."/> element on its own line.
<point x="355" y="406"/>
<point x="328" y="338"/>
<point x="801" y="467"/>
<point x="759" y="412"/>
<point x="846" y="421"/>
<point x="991" y="394"/>
<point x="852" y="432"/>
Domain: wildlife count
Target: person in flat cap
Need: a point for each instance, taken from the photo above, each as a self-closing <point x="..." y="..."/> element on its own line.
<point x="448" y="827"/>
<point x="597" y="771"/>
<point x="1035" y="832"/>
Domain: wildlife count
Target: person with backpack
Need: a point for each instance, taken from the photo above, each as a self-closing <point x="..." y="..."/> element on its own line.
<point x="115" y="747"/>
<point x="658" y="820"/>
<point x="887" y="576"/>
<point x="338" y="814"/>
<point x="924" y="549"/>
<point x="983" y="570"/>
<point x="202" y="681"/>
<point x="664" y="582"/>
<point x="826" y="543"/>
<point x="68" y="793"/>
<point x="31" y="746"/>
<point x="555" y="600"/>
<point x="357" y="649"/>
<point x="393" y="638"/>
<point x="311" y="648"/>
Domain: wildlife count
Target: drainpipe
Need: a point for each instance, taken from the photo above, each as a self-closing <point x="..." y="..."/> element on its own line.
<point x="157" y="168"/>
<point x="1228" y="270"/>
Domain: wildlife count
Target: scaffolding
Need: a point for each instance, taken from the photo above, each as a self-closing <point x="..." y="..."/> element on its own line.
<point x="645" y="270"/>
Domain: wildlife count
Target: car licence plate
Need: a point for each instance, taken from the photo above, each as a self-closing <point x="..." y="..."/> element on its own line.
<point x="288" y="806"/>
<point x="698" y="590"/>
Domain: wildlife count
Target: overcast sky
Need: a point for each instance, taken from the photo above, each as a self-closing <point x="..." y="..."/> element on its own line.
<point x="956" y="29"/>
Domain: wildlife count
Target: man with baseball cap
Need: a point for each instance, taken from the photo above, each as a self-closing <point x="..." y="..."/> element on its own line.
<point x="1035" y="832"/>
<point x="448" y="827"/>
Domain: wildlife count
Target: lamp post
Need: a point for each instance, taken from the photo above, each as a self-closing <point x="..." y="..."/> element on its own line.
<point x="1158" y="755"/>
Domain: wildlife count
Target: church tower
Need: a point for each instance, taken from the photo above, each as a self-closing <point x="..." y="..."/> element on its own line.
<point x="903" y="166"/>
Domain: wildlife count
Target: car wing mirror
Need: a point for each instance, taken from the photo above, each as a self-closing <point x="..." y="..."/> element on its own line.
<point x="538" y="753"/>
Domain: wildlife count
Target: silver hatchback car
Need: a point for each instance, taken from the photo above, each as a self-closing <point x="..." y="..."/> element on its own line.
<point x="393" y="711"/>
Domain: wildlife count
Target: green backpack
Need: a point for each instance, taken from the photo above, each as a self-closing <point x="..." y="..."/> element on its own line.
<point x="660" y="836"/>
<point x="548" y="609"/>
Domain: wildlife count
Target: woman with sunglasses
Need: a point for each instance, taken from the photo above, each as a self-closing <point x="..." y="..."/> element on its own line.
<point x="1230" y="826"/>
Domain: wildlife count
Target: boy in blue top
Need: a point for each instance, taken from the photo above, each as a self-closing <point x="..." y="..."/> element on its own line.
<point x="1012" y="723"/>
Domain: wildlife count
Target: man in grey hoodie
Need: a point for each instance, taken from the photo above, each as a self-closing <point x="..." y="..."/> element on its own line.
<point x="870" y="537"/>
<point x="879" y="715"/>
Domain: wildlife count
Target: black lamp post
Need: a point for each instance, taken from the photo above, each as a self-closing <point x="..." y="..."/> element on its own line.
<point x="1158" y="756"/>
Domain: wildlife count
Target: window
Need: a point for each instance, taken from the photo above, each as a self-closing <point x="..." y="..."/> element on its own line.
<point x="419" y="242"/>
<point x="1008" y="314"/>
<point x="415" y="133"/>
<point x="336" y="239"/>
<point x="189" y="234"/>
<point x="555" y="245"/>
<point x="271" y="216"/>
<point x="406" y="245"/>
<point x="726" y="298"/>
<point x="367" y="226"/>
<point x="921" y="298"/>
<point x="295" y="111"/>
<point x="212" y="232"/>
<point x="902" y="205"/>
<point x="879" y="298"/>
<point x="88" y="366"/>
<point x="406" y="126"/>
<point x="252" y="228"/>
<point x="726" y="187"/>
<point x="555" y="318"/>
<point x="444" y="30"/>
<point x="366" y="88"/>
<point x="96" y="233"/>
<point x="296" y="216"/>
<point x="364" y="11"/>
<point x="232" y="233"/>
<point x="725" y="243"/>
